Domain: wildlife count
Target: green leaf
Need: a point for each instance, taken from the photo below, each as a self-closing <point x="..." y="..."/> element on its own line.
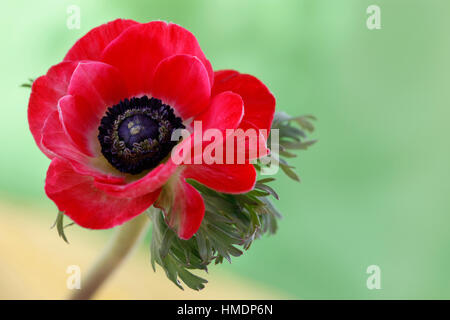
<point x="59" y="223"/>
<point x="191" y="280"/>
<point x="265" y="180"/>
<point x="304" y="122"/>
<point x="172" y="254"/>
<point x="298" y="145"/>
<point x="166" y="242"/>
<point x="28" y="84"/>
<point x="289" y="172"/>
<point x="268" y="189"/>
<point x="291" y="138"/>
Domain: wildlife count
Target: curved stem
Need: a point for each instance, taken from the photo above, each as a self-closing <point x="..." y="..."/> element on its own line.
<point x="120" y="246"/>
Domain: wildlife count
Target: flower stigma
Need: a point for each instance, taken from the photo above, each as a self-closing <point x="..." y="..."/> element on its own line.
<point x="135" y="134"/>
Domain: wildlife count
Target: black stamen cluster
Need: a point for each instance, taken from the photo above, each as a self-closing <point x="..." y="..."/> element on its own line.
<point x="135" y="134"/>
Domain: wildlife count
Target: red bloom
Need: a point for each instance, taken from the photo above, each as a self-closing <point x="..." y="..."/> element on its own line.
<point x="104" y="114"/>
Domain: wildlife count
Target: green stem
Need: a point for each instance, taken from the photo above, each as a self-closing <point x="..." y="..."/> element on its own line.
<point x="125" y="239"/>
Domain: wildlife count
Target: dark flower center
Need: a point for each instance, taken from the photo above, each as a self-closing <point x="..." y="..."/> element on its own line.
<point x="135" y="134"/>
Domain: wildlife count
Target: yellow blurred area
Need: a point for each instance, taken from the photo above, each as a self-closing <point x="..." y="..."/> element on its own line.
<point x="34" y="261"/>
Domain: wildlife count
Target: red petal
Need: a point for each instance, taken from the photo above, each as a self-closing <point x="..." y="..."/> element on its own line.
<point x="259" y="105"/>
<point x="252" y="143"/>
<point x="152" y="181"/>
<point x="91" y="45"/>
<point x="72" y="111"/>
<point x="258" y="101"/>
<point x="184" y="208"/>
<point x="261" y="149"/>
<point x="99" y="84"/>
<point x="57" y="142"/>
<point x="139" y="49"/>
<point x="225" y="112"/>
<point x="89" y="207"/>
<point x="228" y="178"/>
<point x="182" y="82"/>
<point x="45" y="93"/>
<point x="94" y="87"/>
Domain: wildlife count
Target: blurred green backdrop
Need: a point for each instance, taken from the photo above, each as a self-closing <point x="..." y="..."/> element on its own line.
<point x="375" y="189"/>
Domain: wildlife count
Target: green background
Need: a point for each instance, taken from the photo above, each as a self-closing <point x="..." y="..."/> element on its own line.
<point x="375" y="189"/>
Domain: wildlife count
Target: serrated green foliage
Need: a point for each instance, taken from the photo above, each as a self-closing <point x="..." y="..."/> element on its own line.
<point x="174" y="255"/>
<point x="282" y="120"/>
<point x="291" y="138"/>
<point x="230" y="225"/>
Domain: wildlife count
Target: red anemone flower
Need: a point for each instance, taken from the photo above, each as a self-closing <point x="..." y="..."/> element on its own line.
<point x="104" y="116"/>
